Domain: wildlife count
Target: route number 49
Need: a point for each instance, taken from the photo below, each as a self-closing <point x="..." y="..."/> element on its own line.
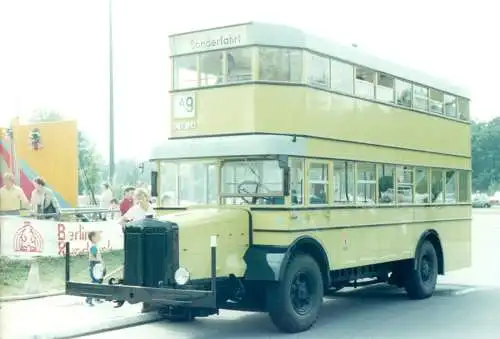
<point x="184" y="105"/>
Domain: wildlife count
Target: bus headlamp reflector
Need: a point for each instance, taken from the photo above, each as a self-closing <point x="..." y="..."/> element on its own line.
<point x="182" y="276"/>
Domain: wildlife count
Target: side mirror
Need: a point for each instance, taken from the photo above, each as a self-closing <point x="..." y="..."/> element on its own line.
<point x="154" y="183"/>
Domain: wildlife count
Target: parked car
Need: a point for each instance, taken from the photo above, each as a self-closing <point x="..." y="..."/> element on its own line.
<point x="480" y="201"/>
<point x="495" y="199"/>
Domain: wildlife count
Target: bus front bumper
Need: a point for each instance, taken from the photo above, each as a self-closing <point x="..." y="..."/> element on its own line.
<point x="137" y="294"/>
<point x="164" y="295"/>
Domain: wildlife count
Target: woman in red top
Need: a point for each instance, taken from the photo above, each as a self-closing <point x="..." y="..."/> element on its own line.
<point x="128" y="200"/>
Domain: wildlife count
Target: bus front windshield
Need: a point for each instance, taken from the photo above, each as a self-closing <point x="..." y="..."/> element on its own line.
<point x="242" y="181"/>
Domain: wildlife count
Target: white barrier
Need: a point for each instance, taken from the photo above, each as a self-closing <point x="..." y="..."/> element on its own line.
<point x="24" y="238"/>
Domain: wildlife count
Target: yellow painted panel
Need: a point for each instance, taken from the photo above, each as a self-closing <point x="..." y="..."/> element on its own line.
<point x="390" y="233"/>
<point x="301" y="110"/>
<point x="196" y="226"/>
<point x="56" y="161"/>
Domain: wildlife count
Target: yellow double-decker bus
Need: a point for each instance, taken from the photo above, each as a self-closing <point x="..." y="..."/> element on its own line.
<point x="307" y="166"/>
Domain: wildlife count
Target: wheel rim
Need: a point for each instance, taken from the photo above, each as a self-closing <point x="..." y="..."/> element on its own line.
<point x="301" y="293"/>
<point x="426" y="269"/>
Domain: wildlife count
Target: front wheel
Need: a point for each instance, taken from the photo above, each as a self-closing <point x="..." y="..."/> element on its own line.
<point x="421" y="282"/>
<point x="294" y="302"/>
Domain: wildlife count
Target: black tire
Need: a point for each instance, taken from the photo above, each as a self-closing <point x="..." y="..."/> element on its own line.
<point x="420" y="283"/>
<point x="300" y="312"/>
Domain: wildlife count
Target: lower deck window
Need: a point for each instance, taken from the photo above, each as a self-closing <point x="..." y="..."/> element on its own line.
<point x="318" y="183"/>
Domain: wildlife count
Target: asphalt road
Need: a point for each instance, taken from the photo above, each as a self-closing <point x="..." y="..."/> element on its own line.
<point x="465" y="305"/>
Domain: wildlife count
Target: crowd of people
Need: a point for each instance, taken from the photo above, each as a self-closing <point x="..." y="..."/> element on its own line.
<point x="13" y="199"/>
<point x="134" y="205"/>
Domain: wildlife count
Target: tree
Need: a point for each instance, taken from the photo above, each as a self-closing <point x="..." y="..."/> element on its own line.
<point x="486" y="155"/>
<point x="90" y="170"/>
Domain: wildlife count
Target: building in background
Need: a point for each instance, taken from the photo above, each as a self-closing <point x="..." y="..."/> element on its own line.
<point x="46" y="149"/>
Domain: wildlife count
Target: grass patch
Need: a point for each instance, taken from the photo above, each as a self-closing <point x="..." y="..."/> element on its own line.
<point x="13" y="273"/>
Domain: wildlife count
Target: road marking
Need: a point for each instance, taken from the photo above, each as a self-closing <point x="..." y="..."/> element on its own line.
<point x="465" y="291"/>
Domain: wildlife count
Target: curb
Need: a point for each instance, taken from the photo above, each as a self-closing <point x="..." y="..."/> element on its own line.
<point x="118" y="324"/>
<point x="30" y="296"/>
<point x="47" y="294"/>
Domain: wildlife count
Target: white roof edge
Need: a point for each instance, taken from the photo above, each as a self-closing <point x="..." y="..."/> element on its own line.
<point x="230" y="146"/>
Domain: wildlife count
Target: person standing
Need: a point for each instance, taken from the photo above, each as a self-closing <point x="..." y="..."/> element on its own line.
<point x="97" y="269"/>
<point x="43" y="199"/>
<point x="107" y="196"/>
<point x="128" y="200"/>
<point x="12" y="197"/>
<point x="141" y="208"/>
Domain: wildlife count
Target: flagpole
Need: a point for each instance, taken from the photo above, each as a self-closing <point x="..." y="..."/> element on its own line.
<point x="13" y="156"/>
<point x="111" y="99"/>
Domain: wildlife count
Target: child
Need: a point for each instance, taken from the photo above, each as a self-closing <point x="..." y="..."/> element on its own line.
<point x="97" y="269"/>
<point x="114" y="208"/>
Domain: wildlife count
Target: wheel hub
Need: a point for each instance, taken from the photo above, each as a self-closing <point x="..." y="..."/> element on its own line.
<point x="426" y="269"/>
<point x="300" y="294"/>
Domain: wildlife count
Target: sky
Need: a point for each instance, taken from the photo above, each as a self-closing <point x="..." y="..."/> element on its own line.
<point x="54" y="53"/>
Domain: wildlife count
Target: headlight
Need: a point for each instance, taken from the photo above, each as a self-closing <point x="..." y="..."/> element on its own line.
<point x="181" y="276"/>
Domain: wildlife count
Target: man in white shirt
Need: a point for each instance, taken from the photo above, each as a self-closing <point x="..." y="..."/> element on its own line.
<point x="106" y="197"/>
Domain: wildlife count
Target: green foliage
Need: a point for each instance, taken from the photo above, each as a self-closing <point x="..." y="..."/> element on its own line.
<point x="486" y="156"/>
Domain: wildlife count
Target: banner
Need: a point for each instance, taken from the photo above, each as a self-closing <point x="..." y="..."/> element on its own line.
<point x="24" y="238"/>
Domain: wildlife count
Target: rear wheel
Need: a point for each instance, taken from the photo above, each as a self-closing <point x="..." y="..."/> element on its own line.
<point x="294" y="302"/>
<point x="420" y="283"/>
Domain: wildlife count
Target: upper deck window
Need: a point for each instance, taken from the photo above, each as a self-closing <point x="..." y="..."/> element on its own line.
<point x="403" y="93"/>
<point x="211" y="68"/>
<point x="463" y="109"/>
<point x="342" y="77"/>
<point x="436" y="101"/>
<point x="385" y="87"/>
<point x="450" y="105"/>
<point x="185" y="71"/>
<point x="365" y="82"/>
<point x="280" y="64"/>
<point x="318" y="70"/>
<point x="420" y="97"/>
<point x="239" y="65"/>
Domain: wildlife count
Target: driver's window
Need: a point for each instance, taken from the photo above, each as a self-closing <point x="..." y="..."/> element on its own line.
<point x="252" y="182"/>
<point x="318" y="183"/>
<point x="297" y="181"/>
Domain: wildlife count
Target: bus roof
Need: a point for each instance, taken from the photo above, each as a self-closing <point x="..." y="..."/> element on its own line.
<point x="229" y="146"/>
<point x="267" y="34"/>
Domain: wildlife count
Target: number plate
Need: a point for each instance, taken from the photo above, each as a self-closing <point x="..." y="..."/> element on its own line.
<point x="184" y="105"/>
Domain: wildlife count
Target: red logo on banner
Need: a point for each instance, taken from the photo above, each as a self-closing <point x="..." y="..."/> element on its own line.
<point x="28" y="239"/>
